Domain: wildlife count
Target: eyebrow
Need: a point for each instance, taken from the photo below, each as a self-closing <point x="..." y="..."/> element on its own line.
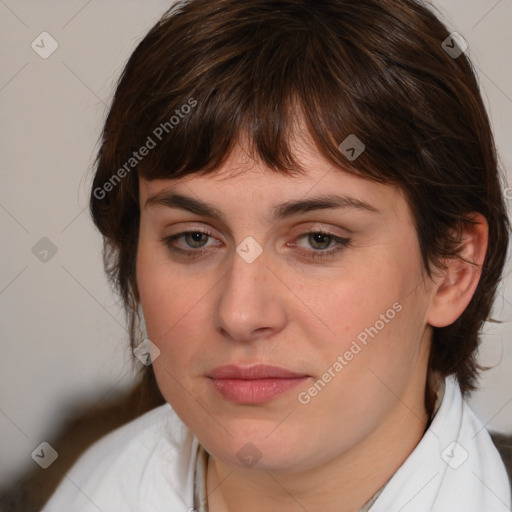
<point x="281" y="211"/>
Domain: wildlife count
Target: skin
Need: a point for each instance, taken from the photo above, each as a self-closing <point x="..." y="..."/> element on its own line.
<point x="288" y="310"/>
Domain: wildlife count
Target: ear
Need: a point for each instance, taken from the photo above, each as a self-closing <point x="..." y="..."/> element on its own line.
<point x="455" y="285"/>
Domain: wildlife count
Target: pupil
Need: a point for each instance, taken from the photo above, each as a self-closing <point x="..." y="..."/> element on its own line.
<point x="319" y="238"/>
<point x="195" y="238"/>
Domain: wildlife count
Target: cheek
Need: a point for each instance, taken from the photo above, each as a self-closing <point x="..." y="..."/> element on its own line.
<point x="375" y="316"/>
<point x="362" y="299"/>
<point x="169" y="313"/>
<point x="175" y="307"/>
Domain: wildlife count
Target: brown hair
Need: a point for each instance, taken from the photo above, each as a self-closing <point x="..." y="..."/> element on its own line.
<point x="213" y="71"/>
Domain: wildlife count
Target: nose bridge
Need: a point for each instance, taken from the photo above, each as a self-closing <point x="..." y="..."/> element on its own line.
<point x="248" y="300"/>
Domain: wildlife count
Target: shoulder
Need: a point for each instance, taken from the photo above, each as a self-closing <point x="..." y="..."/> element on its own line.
<point x="503" y="443"/>
<point x="474" y="476"/>
<point x="138" y="464"/>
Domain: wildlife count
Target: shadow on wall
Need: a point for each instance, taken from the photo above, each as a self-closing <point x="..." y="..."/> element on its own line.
<point x="84" y="427"/>
<point x="35" y="488"/>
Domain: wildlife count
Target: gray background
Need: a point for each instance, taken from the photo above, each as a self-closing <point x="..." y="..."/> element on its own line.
<point x="62" y="337"/>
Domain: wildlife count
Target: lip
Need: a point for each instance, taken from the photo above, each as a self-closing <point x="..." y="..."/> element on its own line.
<point x="254" y="384"/>
<point x="257" y="371"/>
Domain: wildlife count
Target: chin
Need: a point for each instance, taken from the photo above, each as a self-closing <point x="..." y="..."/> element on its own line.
<point x="257" y="447"/>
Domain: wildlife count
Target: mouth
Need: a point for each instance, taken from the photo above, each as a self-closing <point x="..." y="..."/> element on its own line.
<point x="254" y="384"/>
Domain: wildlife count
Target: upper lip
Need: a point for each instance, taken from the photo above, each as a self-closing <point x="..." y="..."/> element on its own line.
<point x="257" y="371"/>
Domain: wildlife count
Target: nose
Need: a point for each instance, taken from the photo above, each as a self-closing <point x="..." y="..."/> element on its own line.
<point x="250" y="303"/>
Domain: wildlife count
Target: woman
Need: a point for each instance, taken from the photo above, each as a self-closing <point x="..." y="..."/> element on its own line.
<point x="301" y="200"/>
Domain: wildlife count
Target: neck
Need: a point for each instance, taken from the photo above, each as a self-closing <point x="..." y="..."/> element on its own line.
<point x="344" y="483"/>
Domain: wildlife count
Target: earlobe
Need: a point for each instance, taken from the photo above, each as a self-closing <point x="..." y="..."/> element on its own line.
<point x="457" y="283"/>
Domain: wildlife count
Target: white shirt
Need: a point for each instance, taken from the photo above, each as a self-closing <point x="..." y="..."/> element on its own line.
<point x="149" y="465"/>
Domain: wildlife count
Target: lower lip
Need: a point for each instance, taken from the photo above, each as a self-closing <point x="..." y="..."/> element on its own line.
<point x="256" y="391"/>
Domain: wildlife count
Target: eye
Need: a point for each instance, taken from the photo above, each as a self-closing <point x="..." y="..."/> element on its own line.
<point x="193" y="239"/>
<point x="321" y="241"/>
<point x="196" y="239"/>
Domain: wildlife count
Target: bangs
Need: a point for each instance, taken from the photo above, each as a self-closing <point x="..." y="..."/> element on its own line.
<point x="263" y="100"/>
<point x="264" y="79"/>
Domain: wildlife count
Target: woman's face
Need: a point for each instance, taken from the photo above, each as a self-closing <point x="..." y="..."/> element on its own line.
<point x="332" y="295"/>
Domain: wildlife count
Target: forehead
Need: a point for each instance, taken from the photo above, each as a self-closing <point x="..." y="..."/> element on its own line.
<point x="243" y="182"/>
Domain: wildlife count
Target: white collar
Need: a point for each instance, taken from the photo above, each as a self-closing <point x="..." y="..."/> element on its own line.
<point x="454" y="468"/>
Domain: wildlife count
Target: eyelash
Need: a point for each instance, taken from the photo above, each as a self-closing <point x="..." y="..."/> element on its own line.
<point x="313" y="254"/>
